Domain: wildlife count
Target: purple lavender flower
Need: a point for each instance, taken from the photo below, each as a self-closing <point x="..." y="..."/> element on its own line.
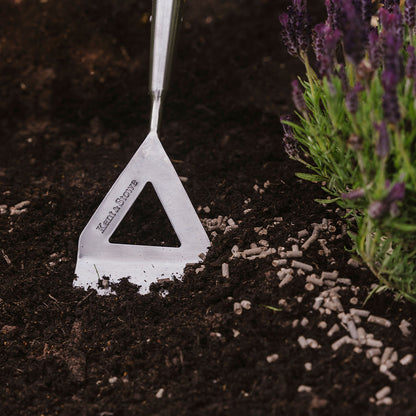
<point x="351" y="99"/>
<point x="367" y="10"/>
<point x="390" y="4"/>
<point x="325" y="41"/>
<point x="290" y="144"/>
<point x="392" y="22"/>
<point x="355" y="32"/>
<point x="411" y="62"/>
<point x="374" y="49"/>
<point x="336" y="14"/>
<point x="383" y="142"/>
<point x="379" y="209"/>
<point x="352" y="195"/>
<point x="409" y="13"/>
<point x="390" y="101"/>
<point x="396" y="193"/>
<point x="297" y="96"/>
<point x="393" y="61"/>
<point x="296" y="28"/>
<point x="344" y="79"/>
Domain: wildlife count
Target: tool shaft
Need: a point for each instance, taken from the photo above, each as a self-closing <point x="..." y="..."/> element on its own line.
<point x="165" y="24"/>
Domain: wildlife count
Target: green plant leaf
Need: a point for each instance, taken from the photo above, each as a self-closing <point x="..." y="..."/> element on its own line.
<point x="310" y="177"/>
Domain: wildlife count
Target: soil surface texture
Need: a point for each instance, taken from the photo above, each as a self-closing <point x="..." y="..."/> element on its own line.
<point x="273" y="322"/>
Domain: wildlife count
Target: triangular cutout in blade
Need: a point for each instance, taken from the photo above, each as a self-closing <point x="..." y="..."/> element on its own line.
<point x="146" y="223"/>
<point x="143" y="265"/>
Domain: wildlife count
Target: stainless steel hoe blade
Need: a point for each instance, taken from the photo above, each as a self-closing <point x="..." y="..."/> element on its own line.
<point x="100" y="262"/>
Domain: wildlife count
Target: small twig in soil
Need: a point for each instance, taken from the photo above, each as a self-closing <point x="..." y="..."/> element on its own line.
<point x="85" y="298"/>
<point x="6" y="257"/>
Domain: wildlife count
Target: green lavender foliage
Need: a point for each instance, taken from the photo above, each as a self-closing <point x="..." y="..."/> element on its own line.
<point x="340" y="149"/>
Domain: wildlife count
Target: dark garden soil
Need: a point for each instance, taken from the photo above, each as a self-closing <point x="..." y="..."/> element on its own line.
<point x="74" y="108"/>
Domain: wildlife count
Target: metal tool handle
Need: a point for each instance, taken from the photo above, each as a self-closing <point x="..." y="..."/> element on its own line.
<point x="165" y="24"/>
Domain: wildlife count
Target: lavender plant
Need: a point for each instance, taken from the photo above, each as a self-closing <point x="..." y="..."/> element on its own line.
<point x="355" y="124"/>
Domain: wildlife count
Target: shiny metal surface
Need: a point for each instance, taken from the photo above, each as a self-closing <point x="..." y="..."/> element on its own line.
<point x="100" y="261"/>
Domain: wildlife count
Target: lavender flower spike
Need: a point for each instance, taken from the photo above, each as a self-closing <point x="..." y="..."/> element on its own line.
<point x="390" y="4"/>
<point x="297" y="96"/>
<point x="352" y="195"/>
<point x="296" y="28"/>
<point x="379" y="209"/>
<point x="351" y="100"/>
<point x="383" y="142"/>
<point x="290" y="144"/>
<point x="390" y="101"/>
<point x="355" y="33"/>
<point x="409" y="13"/>
<point x="374" y="49"/>
<point x="411" y="62"/>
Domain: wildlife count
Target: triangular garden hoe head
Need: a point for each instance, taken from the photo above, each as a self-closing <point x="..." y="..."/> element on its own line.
<point x="100" y="262"/>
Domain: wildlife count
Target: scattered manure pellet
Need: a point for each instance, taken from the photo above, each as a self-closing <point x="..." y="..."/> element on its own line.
<point x="361" y="335"/>
<point x="21" y="205"/>
<point x="375" y="343"/>
<point x="308" y="366"/>
<point x="160" y="393"/>
<point x="200" y="269"/>
<point x="238" y="309"/>
<point x="330" y="275"/>
<point x="323" y="243"/>
<point x="236" y="333"/>
<point x="303" y="233"/>
<point x="292" y="254"/>
<point x="272" y="358"/>
<point x="404" y="327"/>
<point x="407" y="359"/>
<point x="252" y="251"/>
<point x="354" y="300"/>
<point x="353" y="263"/>
<point x="309" y="286"/>
<point x="388" y="351"/>
<point x="313" y="343"/>
<point x="322" y="325"/>
<point x="335" y="328"/>
<point x="303" y="342"/>
<point x="379" y="321"/>
<point x="287" y="279"/>
<point x="387" y="401"/>
<point x="313" y="278"/>
<point x="245" y="304"/>
<point x="300" y="272"/>
<point x="280" y="262"/>
<point x="359" y="312"/>
<point x="304" y="389"/>
<point x="295" y="323"/>
<point x="343" y="281"/>
<point x="376" y="360"/>
<point x="225" y="270"/>
<point x="340" y="342"/>
<point x="300" y="265"/>
<point x="382" y="393"/>
<point x="318" y="302"/>
<point x="312" y="238"/>
<point x="304" y="321"/>
<point x="352" y="329"/>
